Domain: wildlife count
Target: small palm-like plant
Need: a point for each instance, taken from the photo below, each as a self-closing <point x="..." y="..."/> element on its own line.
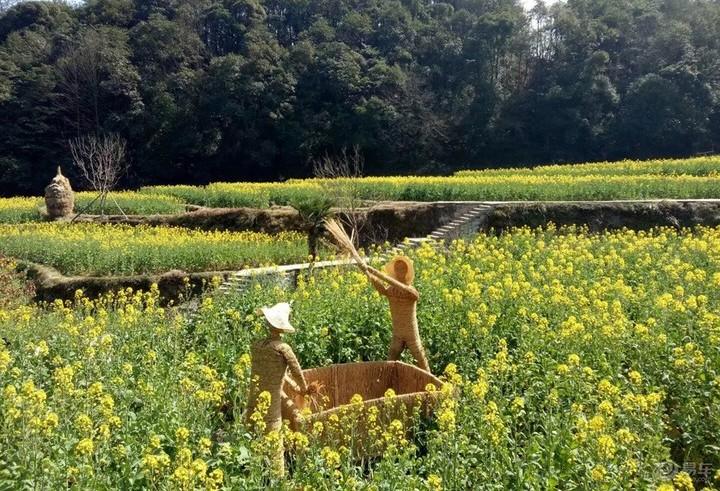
<point x="313" y="211"/>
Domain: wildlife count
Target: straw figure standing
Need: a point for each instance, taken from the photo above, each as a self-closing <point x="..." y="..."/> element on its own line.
<point x="395" y="283"/>
<point x="272" y="358"/>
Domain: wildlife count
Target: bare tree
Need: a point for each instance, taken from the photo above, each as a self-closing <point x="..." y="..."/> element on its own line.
<point x="102" y="162"/>
<point x="339" y="176"/>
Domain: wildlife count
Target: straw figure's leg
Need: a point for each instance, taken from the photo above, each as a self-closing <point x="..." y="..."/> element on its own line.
<point x="278" y="452"/>
<point x="417" y="350"/>
<point x="273" y="422"/>
<point x="397" y="345"/>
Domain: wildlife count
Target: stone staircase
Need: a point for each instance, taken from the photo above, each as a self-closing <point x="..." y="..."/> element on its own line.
<point x="467" y="223"/>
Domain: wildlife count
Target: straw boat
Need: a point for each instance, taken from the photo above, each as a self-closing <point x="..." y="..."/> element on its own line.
<point x="370" y="380"/>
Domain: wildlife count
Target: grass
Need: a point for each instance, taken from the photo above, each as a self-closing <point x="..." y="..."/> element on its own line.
<point x="92" y="249"/>
<point x="14" y="291"/>
<point x="583" y="361"/>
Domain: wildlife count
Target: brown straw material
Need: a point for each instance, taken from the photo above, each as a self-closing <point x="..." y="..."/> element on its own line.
<point x="346" y="245"/>
<point x="271" y="361"/>
<point x="403" y="301"/>
<point x="370" y="380"/>
<point x="342" y="238"/>
<point x="59" y="197"/>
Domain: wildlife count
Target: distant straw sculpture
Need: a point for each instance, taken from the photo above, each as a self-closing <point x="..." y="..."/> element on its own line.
<point x="399" y="273"/>
<point x="59" y="197"/>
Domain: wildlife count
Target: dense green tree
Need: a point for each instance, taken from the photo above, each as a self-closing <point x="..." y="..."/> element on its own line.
<point x="256" y="89"/>
<point x="31" y="122"/>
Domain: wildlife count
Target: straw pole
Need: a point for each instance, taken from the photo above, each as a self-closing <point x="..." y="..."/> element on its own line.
<point x="345" y="243"/>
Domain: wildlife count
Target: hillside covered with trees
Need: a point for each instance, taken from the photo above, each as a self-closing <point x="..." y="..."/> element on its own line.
<point x="255" y="89"/>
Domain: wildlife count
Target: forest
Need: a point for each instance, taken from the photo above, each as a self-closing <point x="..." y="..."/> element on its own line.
<point x="243" y="90"/>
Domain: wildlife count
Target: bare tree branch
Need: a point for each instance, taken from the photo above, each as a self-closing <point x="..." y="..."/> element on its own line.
<point x="101" y="161"/>
<point x="339" y="176"/>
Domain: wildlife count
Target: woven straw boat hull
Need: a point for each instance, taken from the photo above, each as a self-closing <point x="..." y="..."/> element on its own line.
<point x="370" y="380"/>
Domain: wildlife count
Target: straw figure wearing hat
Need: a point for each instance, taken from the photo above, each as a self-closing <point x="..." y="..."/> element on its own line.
<point x="395" y="283"/>
<point x="272" y="358"/>
<point x="403" y="300"/>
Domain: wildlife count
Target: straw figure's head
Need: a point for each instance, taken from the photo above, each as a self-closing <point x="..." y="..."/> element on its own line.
<point x="277" y="318"/>
<point x="401" y="268"/>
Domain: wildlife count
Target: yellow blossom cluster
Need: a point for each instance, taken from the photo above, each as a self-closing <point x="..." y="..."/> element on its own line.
<point x="565" y="355"/>
<point x="201" y="381"/>
<point x="88" y="248"/>
<point x="686" y="178"/>
<point x="19" y="210"/>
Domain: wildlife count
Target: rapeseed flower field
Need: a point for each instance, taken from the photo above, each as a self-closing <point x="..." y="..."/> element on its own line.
<point x="572" y="361"/>
<point x="96" y="249"/>
<point x="686" y="178"/>
<point x="23" y="209"/>
<point x="654" y="179"/>
<point x="697" y="166"/>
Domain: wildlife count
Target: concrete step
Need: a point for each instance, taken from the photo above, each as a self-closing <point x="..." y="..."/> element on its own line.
<point x="243" y="279"/>
<point x="453" y="227"/>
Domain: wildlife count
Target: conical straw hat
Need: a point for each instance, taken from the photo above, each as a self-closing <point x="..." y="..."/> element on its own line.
<point x="278" y="316"/>
<point x="390" y="269"/>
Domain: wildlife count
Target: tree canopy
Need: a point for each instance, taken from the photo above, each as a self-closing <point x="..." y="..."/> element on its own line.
<point x="209" y="90"/>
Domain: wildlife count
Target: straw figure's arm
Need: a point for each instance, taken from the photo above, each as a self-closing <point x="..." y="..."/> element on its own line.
<point x="412" y="292"/>
<point x="373" y="274"/>
<point x="295" y="371"/>
<point x="294" y="385"/>
<point x="346" y="244"/>
<point x="381" y="287"/>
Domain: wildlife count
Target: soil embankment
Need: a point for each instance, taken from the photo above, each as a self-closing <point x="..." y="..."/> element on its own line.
<point x="173" y="286"/>
<point x="391" y="222"/>
<point x="605" y="215"/>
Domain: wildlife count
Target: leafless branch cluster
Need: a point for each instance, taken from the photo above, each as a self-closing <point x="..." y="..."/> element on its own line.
<point x="100" y="160"/>
<point x="339" y="176"/>
<point x="345" y="165"/>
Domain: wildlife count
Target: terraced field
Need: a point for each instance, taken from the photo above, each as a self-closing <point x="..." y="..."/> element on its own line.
<point x="578" y="361"/>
